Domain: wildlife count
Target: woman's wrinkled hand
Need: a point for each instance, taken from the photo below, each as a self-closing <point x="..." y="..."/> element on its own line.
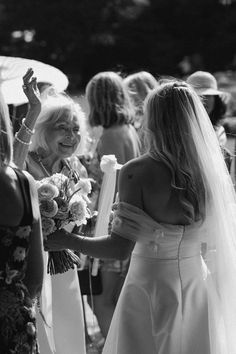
<point x="58" y="241"/>
<point x="31" y="90"/>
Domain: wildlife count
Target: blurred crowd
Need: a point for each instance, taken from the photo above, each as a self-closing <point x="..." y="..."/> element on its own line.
<point x="53" y="133"/>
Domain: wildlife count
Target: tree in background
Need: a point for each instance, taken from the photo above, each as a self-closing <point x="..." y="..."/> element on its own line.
<point x="86" y="36"/>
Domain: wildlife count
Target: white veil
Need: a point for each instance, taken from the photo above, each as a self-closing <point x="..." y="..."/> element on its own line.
<point x="219" y="225"/>
<point x="220" y="230"/>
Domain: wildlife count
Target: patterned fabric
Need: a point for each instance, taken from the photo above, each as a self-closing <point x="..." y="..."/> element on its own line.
<point x="17" y="314"/>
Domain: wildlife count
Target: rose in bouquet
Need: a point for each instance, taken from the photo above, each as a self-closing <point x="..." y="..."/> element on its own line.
<point x="62" y="203"/>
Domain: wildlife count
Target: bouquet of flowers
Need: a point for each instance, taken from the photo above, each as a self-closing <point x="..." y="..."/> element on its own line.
<point x="62" y="203"/>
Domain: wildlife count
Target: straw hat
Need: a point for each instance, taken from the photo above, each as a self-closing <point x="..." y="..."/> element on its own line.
<point x="204" y="83"/>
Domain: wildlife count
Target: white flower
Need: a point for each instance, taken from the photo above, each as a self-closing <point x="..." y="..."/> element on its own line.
<point x="23" y="231"/>
<point x="32" y="312"/>
<point x="58" y="179"/>
<point x="19" y="254"/>
<point x="48" y="226"/>
<point x="48" y="207"/>
<point x="84" y="186"/>
<point x="78" y="210"/>
<point x="47" y="191"/>
<point x="30" y="328"/>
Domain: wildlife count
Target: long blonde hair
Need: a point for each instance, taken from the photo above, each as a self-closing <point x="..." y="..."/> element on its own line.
<point x="169" y="111"/>
<point x="108" y="99"/>
<point x="139" y="85"/>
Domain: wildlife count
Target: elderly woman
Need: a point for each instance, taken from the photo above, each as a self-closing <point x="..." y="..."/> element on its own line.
<point x="49" y="141"/>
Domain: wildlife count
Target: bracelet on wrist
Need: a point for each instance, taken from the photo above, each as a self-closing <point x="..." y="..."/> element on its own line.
<point x="21" y="141"/>
<point x="29" y="131"/>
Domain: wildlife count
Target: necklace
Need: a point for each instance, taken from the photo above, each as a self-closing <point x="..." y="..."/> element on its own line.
<point x="66" y="169"/>
<point x="39" y="160"/>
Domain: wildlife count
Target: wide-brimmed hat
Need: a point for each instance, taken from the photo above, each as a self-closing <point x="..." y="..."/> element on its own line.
<point x="204" y="83"/>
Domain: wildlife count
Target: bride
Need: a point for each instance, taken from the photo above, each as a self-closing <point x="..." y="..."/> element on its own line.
<point x="172" y="199"/>
<point x="53" y="132"/>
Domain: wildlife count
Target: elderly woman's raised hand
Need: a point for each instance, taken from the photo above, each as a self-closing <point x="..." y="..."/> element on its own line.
<point x="31" y="90"/>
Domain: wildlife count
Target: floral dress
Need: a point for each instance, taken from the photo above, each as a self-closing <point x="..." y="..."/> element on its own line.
<point x="17" y="314"/>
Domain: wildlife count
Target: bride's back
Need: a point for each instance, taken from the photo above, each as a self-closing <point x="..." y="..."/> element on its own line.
<point x="153" y="191"/>
<point x="160" y="200"/>
<point x="169" y="178"/>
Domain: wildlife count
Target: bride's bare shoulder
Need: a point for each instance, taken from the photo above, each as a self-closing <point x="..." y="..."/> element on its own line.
<point x="146" y="168"/>
<point x="141" y="176"/>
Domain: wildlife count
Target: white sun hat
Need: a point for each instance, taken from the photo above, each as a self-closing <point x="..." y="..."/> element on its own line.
<point x="204" y="83"/>
<point x="12" y="70"/>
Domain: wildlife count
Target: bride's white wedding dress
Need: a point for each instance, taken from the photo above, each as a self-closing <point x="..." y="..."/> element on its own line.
<point x="163" y="306"/>
<point x="171" y="301"/>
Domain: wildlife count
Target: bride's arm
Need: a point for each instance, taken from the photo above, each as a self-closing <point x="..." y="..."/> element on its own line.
<point x="110" y="246"/>
<point x="23" y="136"/>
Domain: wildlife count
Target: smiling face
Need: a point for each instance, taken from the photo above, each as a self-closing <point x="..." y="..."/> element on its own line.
<point x="63" y="137"/>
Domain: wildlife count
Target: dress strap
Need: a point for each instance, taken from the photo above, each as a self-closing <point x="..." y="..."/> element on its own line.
<point x="27" y="218"/>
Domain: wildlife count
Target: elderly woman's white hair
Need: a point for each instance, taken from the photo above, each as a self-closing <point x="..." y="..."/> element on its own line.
<point x="54" y="106"/>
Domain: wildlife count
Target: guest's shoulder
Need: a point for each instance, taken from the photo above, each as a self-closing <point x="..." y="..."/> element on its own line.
<point x="7" y="177"/>
<point x="10" y="197"/>
<point x="115" y="130"/>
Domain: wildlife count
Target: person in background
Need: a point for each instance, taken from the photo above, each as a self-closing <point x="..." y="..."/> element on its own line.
<point x="111" y="109"/>
<point x="21" y="251"/>
<point x="139" y="85"/>
<point x="170" y="199"/>
<point x="49" y="142"/>
<point x="214" y="101"/>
